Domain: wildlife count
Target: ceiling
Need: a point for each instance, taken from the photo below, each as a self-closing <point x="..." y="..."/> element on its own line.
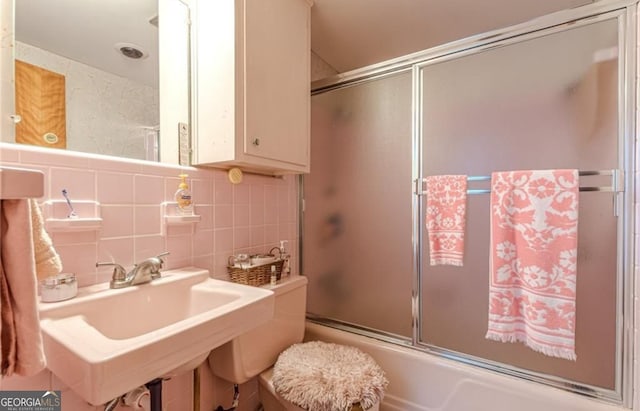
<point x="88" y="30"/>
<point x="347" y="34"/>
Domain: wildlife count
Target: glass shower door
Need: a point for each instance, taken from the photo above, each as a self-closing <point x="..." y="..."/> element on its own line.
<point x="357" y="251"/>
<point x="549" y="102"/>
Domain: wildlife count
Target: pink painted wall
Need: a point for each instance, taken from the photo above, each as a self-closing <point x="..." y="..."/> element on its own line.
<point x="250" y="217"/>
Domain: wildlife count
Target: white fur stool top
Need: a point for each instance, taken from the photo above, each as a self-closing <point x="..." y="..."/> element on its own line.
<point x="319" y="376"/>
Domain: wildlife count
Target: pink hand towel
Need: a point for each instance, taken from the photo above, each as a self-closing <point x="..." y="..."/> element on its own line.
<point x="446" y="212"/>
<point x="21" y="340"/>
<point x="534" y="235"/>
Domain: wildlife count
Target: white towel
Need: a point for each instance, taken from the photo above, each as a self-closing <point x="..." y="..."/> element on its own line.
<point x="46" y="258"/>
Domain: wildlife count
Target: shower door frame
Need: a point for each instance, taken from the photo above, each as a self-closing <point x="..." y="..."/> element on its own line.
<point x="625" y="13"/>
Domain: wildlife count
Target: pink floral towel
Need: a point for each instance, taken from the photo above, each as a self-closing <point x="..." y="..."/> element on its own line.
<point x="534" y="223"/>
<point x="446" y="210"/>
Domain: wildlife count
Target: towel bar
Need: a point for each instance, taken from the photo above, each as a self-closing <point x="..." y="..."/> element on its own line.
<point x="615" y="187"/>
<point x="18" y="183"/>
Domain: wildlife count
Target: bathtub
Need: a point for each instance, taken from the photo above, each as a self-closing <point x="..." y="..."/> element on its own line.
<point x="422" y="382"/>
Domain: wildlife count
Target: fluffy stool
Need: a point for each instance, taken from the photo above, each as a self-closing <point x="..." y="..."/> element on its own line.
<point x="322" y="376"/>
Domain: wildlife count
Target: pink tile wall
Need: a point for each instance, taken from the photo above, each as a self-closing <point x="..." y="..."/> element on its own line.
<point x="250" y="218"/>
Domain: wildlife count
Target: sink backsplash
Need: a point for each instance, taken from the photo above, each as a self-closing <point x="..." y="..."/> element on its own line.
<point x="251" y="217"/>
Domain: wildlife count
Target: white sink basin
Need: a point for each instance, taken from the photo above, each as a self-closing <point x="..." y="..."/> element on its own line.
<point x="105" y="342"/>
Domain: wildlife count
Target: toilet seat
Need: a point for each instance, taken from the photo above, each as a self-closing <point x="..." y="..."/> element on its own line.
<point x="271" y="401"/>
<point x="325" y="376"/>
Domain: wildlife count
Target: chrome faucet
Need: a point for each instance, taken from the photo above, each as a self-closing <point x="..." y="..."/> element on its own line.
<point x="141" y="273"/>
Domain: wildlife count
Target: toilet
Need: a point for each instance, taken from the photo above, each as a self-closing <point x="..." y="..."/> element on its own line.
<point x="254" y="353"/>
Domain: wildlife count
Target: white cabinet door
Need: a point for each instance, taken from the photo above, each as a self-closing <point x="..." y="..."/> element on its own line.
<point x="252" y="77"/>
<point x="277" y="80"/>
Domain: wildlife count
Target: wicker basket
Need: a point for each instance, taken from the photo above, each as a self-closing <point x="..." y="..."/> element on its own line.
<point x="257" y="275"/>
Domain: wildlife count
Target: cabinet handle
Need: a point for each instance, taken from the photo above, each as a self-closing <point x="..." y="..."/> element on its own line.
<point x="256" y="142"/>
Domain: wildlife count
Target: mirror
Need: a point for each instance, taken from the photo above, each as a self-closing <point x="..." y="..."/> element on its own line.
<point x="105" y="77"/>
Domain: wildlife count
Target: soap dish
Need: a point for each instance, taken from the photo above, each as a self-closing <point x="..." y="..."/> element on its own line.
<point x="58" y="288"/>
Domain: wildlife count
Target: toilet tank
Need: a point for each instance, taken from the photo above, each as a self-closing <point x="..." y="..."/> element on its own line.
<point x="248" y="355"/>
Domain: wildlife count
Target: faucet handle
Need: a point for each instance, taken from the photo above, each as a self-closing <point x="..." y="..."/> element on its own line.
<point x="158" y="259"/>
<point x="119" y="273"/>
<point x="157" y="262"/>
<point x="162" y="255"/>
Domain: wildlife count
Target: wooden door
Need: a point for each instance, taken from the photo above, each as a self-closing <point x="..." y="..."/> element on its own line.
<point x="40" y="101"/>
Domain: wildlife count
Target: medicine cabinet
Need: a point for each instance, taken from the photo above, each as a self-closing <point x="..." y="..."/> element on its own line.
<point x="252" y="85"/>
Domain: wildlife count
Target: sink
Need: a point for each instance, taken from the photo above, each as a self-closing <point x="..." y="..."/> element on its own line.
<point x="104" y="342"/>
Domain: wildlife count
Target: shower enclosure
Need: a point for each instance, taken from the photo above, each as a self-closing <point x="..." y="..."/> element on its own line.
<point x="556" y="93"/>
